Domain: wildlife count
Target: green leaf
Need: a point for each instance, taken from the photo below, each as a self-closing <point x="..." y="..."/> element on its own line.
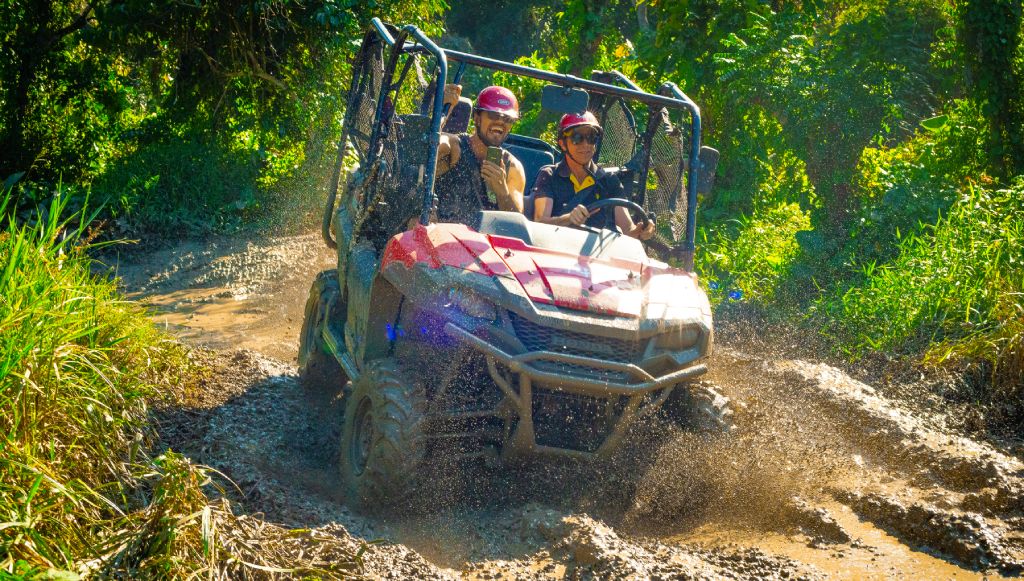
<point x="936" y="123"/>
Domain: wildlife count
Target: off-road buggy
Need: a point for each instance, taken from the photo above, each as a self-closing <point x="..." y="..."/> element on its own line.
<point x="502" y="339"/>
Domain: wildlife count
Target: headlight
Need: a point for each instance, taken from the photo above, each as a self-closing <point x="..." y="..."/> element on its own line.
<point x="678" y="339"/>
<point x="471" y="304"/>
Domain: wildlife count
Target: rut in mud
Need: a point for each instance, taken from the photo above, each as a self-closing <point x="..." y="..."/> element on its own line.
<point x="825" y="477"/>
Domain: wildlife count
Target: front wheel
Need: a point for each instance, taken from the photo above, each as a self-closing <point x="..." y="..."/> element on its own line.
<point x="383" y="447"/>
<point x="699" y="407"/>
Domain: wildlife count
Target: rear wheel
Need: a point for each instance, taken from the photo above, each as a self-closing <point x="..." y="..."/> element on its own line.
<point x="382" y="444"/>
<point x="319" y="371"/>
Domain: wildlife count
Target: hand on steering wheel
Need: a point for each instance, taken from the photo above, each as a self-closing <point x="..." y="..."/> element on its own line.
<point x="647" y="217"/>
<point x="578" y="215"/>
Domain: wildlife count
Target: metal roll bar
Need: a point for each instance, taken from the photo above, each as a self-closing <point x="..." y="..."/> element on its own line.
<point x="670" y="96"/>
<point x="423" y="43"/>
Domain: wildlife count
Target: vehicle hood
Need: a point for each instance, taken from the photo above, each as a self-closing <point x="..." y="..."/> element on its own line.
<point x="608" y="286"/>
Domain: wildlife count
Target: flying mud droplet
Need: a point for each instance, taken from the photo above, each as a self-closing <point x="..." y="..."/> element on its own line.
<point x="750" y="475"/>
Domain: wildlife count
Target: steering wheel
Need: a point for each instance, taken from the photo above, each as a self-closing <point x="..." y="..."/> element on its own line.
<point x="648" y="217"/>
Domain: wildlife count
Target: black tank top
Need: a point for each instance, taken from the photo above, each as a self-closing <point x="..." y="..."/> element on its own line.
<point x="460" y="191"/>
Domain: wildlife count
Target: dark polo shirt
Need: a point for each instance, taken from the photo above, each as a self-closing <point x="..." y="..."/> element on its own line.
<point x="553" y="181"/>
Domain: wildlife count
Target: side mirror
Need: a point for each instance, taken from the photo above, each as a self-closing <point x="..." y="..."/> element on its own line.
<point x="564" y="99"/>
<point x="707" y="164"/>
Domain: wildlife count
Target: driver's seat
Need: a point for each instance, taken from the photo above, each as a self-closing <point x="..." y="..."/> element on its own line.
<point x="534" y="154"/>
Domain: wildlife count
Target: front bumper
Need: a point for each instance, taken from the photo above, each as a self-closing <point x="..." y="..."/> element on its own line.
<point x="644" y="392"/>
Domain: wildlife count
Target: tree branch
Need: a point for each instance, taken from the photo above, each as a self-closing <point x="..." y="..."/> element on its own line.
<point x="259" y="71"/>
<point x="77" y="23"/>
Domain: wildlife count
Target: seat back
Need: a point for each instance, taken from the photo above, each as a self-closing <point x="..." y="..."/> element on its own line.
<point x="458" y="117"/>
<point x="534" y="154"/>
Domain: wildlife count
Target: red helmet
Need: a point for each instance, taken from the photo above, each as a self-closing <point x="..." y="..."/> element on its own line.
<point x="570" y="120"/>
<point x="499" y="100"/>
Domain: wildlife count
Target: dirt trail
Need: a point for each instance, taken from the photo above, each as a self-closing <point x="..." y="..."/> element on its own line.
<point x="825" y="478"/>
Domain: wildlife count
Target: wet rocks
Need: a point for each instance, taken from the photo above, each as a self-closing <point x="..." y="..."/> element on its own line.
<point x="1003" y="500"/>
<point x="897" y="437"/>
<point x="752" y="563"/>
<point x="590" y="549"/>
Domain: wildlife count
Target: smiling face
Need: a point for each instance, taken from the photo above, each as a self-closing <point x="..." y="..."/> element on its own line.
<point x="492" y="128"/>
<point x="580" y="143"/>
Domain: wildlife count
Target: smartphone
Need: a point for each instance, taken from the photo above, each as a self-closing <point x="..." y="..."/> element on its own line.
<point x="494" y="155"/>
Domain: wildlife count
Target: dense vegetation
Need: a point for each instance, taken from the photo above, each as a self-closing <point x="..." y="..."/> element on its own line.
<point x="168" y="116"/>
<point x="176" y="114"/>
<point x="74" y="379"/>
<point x="870" y="189"/>
<point x="83" y="491"/>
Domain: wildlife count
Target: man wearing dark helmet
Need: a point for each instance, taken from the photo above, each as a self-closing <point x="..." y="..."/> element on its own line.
<point x="563" y="190"/>
<point x="466" y="180"/>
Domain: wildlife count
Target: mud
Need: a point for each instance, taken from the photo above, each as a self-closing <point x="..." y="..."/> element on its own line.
<point x="826" y="476"/>
<point x="228" y="293"/>
<point x="965" y="537"/>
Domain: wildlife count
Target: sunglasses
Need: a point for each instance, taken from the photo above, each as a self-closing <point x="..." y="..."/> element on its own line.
<point x="494" y="116"/>
<point x="578" y="137"/>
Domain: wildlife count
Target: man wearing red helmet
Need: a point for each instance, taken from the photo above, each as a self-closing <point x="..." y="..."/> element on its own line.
<point x="563" y="191"/>
<point x="466" y="180"/>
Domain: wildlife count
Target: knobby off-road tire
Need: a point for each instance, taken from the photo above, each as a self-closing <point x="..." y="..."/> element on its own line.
<point x="699" y="407"/>
<point x="319" y="372"/>
<point x="383" y="447"/>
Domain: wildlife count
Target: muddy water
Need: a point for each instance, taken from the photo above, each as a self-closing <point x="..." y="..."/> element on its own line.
<point x="229" y="293"/>
<point x="824" y="478"/>
<point x="873" y="555"/>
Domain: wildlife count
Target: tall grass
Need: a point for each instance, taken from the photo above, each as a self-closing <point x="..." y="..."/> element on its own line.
<point x="746" y="258"/>
<point x="79" y="492"/>
<point x="76" y="367"/>
<point x="955" y="290"/>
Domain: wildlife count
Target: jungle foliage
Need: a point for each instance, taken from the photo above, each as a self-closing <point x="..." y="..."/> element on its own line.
<point x="86" y="490"/>
<point x="171" y="115"/>
<point x="121" y="95"/>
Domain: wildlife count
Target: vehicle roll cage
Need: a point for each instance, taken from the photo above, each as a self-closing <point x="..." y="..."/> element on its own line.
<point x="669" y="96"/>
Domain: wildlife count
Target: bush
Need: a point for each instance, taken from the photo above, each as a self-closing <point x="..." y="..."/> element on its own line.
<point x="77" y="366"/>
<point x="746" y="258"/>
<point x="78" y="491"/>
<point x="956" y="283"/>
<point x="748" y="229"/>
<point x="903" y="187"/>
<point x="169" y="186"/>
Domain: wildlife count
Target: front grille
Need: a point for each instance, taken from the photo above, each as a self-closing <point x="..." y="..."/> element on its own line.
<point x="575" y="422"/>
<point x="540" y="338"/>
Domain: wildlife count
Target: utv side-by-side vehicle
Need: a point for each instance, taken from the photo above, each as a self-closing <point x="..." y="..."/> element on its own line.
<point x="503" y="339"/>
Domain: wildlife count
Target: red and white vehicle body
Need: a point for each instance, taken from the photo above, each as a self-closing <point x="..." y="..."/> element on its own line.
<point x="554" y="328"/>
